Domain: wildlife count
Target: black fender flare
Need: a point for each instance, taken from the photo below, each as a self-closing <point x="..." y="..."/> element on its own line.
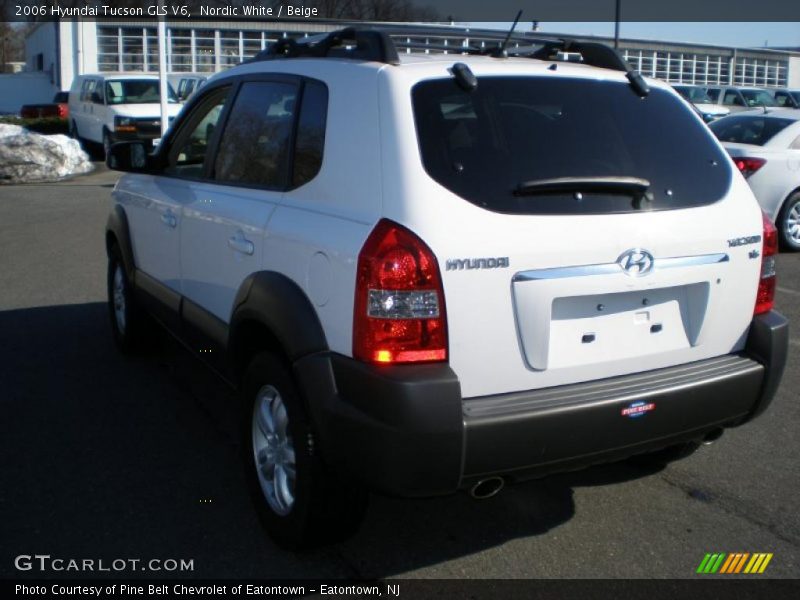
<point x="282" y="307"/>
<point x="117" y="227"/>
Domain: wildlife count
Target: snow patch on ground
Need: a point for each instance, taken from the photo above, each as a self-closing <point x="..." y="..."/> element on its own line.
<point x="27" y="157"/>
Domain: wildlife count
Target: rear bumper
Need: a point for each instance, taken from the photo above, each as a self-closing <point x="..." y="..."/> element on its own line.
<point x="405" y="430"/>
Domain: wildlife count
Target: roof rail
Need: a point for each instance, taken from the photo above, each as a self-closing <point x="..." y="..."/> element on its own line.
<point x="594" y="54"/>
<point x="378" y="45"/>
<point x="359" y="44"/>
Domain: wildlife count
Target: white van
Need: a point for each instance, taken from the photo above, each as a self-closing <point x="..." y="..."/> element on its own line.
<point x="186" y="84"/>
<point x="109" y="107"/>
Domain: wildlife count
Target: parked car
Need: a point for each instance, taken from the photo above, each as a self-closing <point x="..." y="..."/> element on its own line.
<point x="58" y="108"/>
<point x="738" y="99"/>
<point x="698" y="96"/>
<point x="431" y="273"/>
<point x="186" y="84"/>
<point x="765" y="146"/>
<point x="787" y="98"/>
<point x="111" y="107"/>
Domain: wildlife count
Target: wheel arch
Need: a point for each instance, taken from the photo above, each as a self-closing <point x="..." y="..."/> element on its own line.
<point x="118" y="233"/>
<point x="782" y="203"/>
<point x="780" y="215"/>
<point x="272" y="312"/>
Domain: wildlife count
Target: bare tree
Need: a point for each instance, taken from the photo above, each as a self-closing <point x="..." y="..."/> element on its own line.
<point x="12" y="42"/>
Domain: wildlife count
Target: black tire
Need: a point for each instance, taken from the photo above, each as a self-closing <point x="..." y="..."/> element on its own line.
<point x="665" y="456"/>
<point x="107" y="141"/>
<point x="789" y="211"/>
<point x="131" y="327"/>
<point x="325" y="508"/>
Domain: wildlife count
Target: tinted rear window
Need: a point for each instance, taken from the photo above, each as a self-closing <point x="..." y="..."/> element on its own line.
<point x="756" y="130"/>
<point x="482" y="144"/>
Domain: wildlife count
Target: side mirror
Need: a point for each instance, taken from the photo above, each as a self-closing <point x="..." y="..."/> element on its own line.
<point x="129" y="156"/>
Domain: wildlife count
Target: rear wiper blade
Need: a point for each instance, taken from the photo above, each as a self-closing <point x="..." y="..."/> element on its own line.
<point x="633" y="186"/>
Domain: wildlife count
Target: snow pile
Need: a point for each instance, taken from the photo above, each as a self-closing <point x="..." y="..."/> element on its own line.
<point x="31" y="157"/>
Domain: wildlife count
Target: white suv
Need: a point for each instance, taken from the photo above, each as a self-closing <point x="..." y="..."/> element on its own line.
<point x="448" y="271"/>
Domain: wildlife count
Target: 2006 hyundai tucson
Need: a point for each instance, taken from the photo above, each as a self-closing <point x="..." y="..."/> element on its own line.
<point x="445" y="272"/>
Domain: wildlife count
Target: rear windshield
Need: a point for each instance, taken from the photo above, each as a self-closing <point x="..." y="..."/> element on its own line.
<point x="750" y="129"/>
<point x="483" y="145"/>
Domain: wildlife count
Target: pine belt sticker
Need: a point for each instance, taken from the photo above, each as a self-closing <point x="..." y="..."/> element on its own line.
<point x="637" y="409"/>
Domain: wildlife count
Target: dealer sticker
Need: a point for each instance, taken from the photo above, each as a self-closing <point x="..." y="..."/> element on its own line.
<point x="637" y="409"/>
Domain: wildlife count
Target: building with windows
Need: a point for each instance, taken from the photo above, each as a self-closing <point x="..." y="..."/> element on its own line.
<point x="67" y="48"/>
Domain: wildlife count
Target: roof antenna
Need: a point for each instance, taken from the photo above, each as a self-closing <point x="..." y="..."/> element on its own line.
<point x="500" y="51"/>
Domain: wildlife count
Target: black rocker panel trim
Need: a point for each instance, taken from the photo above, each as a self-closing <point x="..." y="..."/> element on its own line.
<point x="161" y="301"/>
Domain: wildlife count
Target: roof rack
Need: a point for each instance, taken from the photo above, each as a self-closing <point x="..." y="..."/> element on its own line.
<point x="378" y="45"/>
<point x="359" y="44"/>
<point x="594" y="54"/>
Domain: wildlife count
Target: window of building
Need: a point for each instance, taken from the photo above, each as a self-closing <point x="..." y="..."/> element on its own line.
<point x="181" y="51"/>
<point x="229" y="49"/>
<point x="204" y="51"/>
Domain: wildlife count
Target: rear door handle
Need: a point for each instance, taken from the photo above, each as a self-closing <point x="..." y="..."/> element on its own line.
<point x="168" y="219"/>
<point x="241" y="244"/>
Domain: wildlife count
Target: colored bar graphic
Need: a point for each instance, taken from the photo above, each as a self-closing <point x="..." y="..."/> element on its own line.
<point x="765" y="563"/>
<point x="754" y="563"/>
<point x="720" y="562"/>
<point x="741" y="562"/>
<point x="733" y="561"/>
<point x="703" y="563"/>
<point x="728" y="564"/>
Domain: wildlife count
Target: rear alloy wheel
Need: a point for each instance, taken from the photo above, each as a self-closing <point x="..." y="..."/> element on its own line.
<point x="789" y="223"/>
<point x="300" y="501"/>
<point x="273" y="450"/>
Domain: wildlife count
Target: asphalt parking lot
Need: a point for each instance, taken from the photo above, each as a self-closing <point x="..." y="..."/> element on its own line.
<point x="109" y="457"/>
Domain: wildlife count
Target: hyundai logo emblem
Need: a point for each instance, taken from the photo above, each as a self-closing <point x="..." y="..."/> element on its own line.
<point x="636" y="262"/>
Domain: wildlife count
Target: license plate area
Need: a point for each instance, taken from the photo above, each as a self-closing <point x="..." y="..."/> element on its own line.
<point x="590" y="329"/>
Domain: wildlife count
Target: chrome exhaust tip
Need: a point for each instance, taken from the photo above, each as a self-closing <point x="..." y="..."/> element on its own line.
<point x="486" y="488"/>
<point x="712" y="436"/>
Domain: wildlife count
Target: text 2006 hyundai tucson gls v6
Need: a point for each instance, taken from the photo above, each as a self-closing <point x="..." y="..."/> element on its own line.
<point x="446" y="272"/>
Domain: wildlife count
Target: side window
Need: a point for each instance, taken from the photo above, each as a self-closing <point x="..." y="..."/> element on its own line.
<point x="188" y="153"/>
<point x="97" y="93"/>
<point x="88" y="89"/>
<point x="310" y="141"/>
<point x="713" y="94"/>
<point x="254" y="148"/>
<point x="732" y="98"/>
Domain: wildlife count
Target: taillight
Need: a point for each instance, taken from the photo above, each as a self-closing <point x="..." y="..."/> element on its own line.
<point x="765" y="299"/>
<point x="399" y="314"/>
<point x="748" y="166"/>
